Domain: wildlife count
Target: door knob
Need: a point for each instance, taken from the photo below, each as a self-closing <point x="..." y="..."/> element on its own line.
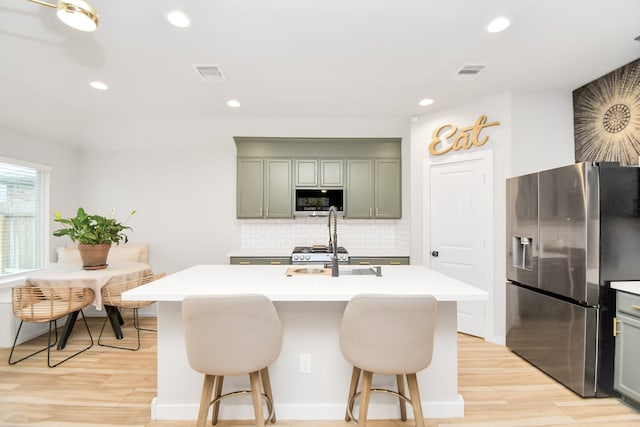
<point x="434" y="254"/>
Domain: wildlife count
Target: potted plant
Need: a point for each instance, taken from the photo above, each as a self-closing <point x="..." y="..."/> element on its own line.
<point x="94" y="235"/>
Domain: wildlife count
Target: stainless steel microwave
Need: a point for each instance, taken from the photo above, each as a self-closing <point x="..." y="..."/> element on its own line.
<point x="317" y="201"/>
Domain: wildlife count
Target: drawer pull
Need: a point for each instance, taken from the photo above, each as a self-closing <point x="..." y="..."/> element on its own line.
<point x="364" y="263"/>
<point x="276" y="262"/>
<point x="394" y="263"/>
<point x="245" y="262"/>
<point x="636" y="307"/>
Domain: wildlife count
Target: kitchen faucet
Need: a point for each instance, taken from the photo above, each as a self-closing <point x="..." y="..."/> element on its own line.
<point x="333" y="241"/>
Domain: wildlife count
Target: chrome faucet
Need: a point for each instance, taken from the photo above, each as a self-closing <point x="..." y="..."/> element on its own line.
<point x="333" y="241"/>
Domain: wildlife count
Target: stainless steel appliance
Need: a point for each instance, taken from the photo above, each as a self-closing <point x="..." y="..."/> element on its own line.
<point x="570" y="232"/>
<point x="317" y="254"/>
<point x="318" y="201"/>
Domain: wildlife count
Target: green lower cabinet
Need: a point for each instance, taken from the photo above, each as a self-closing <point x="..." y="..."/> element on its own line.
<point x="379" y="260"/>
<point x="240" y="260"/>
<point x="627" y="368"/>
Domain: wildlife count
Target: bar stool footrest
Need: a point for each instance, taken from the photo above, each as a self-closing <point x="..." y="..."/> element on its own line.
<point x="374" y="390"/>
<point x="270" y="408"/>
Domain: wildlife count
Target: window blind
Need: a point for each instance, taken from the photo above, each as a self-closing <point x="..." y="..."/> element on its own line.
<point x="24" y="192"/>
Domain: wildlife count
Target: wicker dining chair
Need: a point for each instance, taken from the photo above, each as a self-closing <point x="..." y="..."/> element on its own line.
<point x="48" y="304"/>
<point x="112" y="296"/>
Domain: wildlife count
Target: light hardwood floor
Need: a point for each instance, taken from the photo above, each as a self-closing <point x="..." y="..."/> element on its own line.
<point x="107" y="387"/>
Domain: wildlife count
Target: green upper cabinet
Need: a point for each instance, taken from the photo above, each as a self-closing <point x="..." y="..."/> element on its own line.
<point x="359" y="189"/>
<point x="306" y="173"/>
<point x="331" y="172"/>
<point x="323" y="173"/>
<point x="373" y="189"/>
<point x="388" y="189"/>
<point x="269" y="169"/>
<point x="250" y="188"/>
<point x="264" y="188"/>
<point x="278" y="189"/>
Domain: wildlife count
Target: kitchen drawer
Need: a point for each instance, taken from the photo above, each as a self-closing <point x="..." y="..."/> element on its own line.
<point x="628" y="304"/>
<point x="396" y="260"/>
<point x="260" y="260"/>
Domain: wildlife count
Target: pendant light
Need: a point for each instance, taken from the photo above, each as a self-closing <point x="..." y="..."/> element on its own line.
<point x="77" y="14"/>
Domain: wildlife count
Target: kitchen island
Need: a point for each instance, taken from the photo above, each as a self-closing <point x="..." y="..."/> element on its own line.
<point x="310" y="307"/>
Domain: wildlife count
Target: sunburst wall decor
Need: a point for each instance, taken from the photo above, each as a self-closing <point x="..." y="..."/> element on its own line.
<point x="606" y="117"/>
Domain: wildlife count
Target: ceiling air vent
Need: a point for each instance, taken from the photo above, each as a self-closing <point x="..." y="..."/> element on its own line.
<point x="468" y="72"/>
<point x="210" y="73"/>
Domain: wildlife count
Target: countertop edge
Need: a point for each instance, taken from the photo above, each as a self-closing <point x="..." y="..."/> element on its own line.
<point x="632" y="287"/>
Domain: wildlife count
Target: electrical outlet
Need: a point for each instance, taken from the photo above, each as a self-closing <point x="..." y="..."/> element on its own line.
<point x="305" y="363"/>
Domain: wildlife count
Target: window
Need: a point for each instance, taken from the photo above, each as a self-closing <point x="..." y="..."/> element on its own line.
<point x="24" y="195"/>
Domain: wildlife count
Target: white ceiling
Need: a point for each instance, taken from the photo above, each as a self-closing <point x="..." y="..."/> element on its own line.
<point x="294" y="58"/>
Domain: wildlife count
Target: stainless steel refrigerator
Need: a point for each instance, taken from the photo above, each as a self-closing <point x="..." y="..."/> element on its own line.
<point x="570" y="232"/>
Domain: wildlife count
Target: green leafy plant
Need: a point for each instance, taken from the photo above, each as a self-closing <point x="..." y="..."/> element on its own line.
<point x="92" y="229"/>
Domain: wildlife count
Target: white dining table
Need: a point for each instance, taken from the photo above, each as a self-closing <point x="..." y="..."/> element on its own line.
<point x="74" y="275"/>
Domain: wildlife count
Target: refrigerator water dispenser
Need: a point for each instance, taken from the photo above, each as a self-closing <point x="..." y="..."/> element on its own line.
<point x="522" y="251"/>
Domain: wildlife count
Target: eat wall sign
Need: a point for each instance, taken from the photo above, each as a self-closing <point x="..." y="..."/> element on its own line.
<point x="465" y="138"/>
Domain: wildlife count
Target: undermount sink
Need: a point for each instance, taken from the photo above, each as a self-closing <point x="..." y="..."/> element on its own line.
<point x="326" y="271"/>
<point x="371" y="271"/>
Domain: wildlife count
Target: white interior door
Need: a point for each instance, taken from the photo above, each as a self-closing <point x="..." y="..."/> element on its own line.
<point x="460" y="201"/>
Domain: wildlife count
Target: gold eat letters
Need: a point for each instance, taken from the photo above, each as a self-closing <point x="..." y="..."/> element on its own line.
<point x="462" y="140"/>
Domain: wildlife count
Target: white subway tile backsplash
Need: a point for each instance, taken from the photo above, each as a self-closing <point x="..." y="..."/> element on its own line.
<point x="287" y="233"/>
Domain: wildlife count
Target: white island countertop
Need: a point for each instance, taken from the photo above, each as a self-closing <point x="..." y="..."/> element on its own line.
<point x="272" y="281"/>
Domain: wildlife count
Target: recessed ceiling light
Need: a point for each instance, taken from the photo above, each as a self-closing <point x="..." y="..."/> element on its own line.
<point x="233" y="103"/>
<point x="178" y="19"/>
<point x="498" y="24"/>
<point x="99" y="85"/>
<point x="426" y="101"/>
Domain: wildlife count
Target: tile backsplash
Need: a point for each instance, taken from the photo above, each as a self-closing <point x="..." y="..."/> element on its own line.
<point x="287" y="233"/>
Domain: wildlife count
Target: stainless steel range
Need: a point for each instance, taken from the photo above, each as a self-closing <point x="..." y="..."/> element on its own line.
<point x="317" y="254"/>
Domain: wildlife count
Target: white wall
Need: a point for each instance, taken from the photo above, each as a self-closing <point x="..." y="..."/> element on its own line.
<point x="535" y="132"/>
<point x="542" y="131"/>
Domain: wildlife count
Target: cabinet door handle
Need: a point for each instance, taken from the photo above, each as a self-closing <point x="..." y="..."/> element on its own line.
<point x="616" y="332"/>
<point x="370" y="212"/>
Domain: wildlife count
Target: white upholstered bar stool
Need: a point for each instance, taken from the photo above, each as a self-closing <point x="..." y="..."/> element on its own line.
<point x="388" y="334"/>
<point x="232" y="335"/>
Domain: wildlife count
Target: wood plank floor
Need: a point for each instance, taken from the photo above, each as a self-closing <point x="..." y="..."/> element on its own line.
<point x="107" y="387"/>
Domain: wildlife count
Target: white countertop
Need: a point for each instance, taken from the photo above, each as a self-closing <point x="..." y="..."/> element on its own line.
<point x="271" y="281"/>
<point x="362" y="252"/>
<point x="631" y="287"/>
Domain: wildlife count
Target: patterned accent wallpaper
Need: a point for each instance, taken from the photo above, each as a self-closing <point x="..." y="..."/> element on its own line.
<point x="606" y="117"/>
